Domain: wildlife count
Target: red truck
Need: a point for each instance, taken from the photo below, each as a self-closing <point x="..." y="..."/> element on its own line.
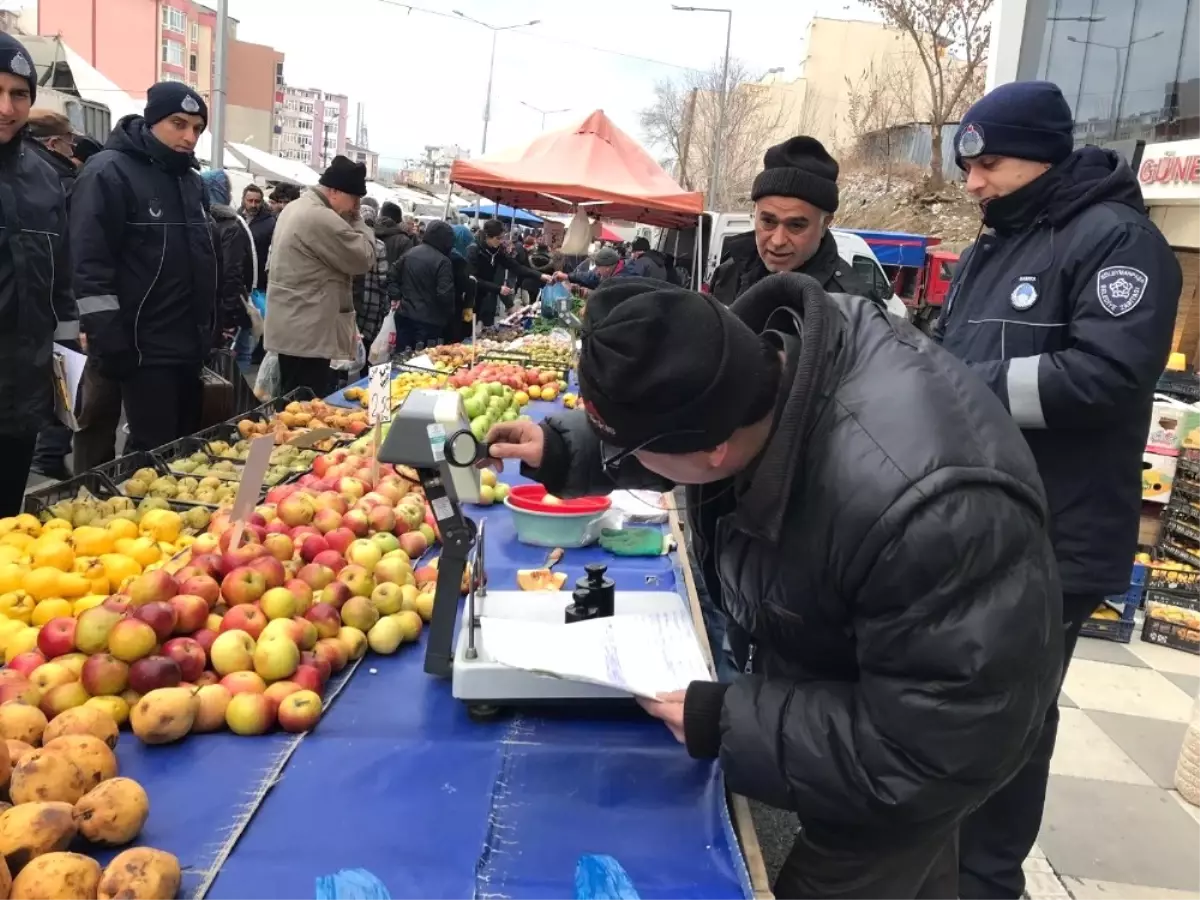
<point x="920" y="272"/>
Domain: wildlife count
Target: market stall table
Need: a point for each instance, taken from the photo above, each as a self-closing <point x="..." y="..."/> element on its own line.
<point x="397" y="780"/>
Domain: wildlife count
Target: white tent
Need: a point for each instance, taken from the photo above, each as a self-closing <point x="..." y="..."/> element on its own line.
<point x="95" y="87"/>
<point x="270" y="167"/>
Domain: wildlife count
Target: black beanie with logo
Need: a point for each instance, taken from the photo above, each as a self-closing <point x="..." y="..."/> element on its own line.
<point x="15" y="60"/>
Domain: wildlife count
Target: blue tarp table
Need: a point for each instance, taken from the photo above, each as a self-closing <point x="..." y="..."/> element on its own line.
<point x="398" y="780"/>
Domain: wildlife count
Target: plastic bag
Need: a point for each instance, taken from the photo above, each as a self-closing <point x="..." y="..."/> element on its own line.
<point x="352" y="365"/>
<point x="552" y="294"/>
<point x="384" y="343"/>
<point x="266" y="384"/>
<point x="256" y="318"/>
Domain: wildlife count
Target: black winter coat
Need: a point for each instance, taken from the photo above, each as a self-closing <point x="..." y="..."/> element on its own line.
<point x="1067" y="310"/>
<point x="145" y="266"/>
<point x="232" y="236"/>
<point x="36" y="305"/>
<point x="262" y="229"/>
<point x="887" y="559"/>
<point x="423" y="278"/>
<point x="650" y="264"/>
<point x="396" y="241"/>
<point x="489" y="266"/>
<point x="743" y="269"/>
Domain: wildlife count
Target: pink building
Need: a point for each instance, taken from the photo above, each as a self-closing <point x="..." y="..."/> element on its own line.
<point x="120" y="38"/>
<point x="311" y="126"/>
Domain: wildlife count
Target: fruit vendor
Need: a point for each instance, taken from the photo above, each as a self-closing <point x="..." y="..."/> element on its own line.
<point x="36" y="305"/>
<point x="489" y="266"/>
<point x="1065" y="306"/>
<point x="795" y="197"/>
<point x="877" y="532"/>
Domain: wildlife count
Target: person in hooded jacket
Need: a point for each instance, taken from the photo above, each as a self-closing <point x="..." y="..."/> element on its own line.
<point x="1065" y="306"/>
<point x="147" y="273"/>
<point x="882" y="697"/>
<point x="795" y="197"/>
<point x="389" y="228"/>
<point x="422" y="280"/>
<point x="459" y="326"/>
<point x="36" y="306"/>
<point x="490" y="265"/>
<point x="644" y="262"/>
<point x="234" y="247"/>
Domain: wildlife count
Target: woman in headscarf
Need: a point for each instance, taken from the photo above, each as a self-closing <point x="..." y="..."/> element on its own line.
<point x="459" y="326"/>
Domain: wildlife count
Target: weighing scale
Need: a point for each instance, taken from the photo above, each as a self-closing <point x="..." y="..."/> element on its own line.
<point x="430" y="432"/>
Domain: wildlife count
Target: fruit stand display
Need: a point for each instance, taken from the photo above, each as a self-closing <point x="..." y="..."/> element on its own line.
<point x="128" y="597"/>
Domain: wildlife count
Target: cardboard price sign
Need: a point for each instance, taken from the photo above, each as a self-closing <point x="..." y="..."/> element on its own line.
<point x="254" y="472"/>
<point x="379" y="393"/>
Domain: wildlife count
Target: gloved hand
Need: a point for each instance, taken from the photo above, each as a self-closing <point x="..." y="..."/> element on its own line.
<point x="635" y="541"/>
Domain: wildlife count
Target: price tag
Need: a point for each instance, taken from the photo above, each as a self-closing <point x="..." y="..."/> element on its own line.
<point x="254" y="472"/>
<point x="379" y="393"/>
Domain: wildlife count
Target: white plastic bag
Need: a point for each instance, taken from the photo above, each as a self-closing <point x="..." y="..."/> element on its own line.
<point x="266" y="384"/>
<point x="352" y="365"/>
<point x="384" y="343"/>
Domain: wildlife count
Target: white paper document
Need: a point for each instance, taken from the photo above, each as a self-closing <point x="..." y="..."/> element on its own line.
<point x="643" y="654"/>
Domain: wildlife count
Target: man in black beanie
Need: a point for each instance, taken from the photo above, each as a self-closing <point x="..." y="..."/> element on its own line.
<point x="36" y="305"/>
<point x="1065" y="306"/>
<point x="872" y="523"/>
<point x="795" y="197"/>
<point x="146" y="274"/>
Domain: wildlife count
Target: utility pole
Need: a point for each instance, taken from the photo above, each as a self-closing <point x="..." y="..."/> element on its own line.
<point x="217" y="99"/>
<point x="487" y="104"/>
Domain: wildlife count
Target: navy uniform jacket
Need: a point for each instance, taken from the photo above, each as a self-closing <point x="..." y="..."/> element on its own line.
<point x="1066" y="309"/>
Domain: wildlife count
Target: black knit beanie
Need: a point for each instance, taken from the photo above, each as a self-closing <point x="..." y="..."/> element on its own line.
<point x="169" y="97"/>
<point x="666" y="365"/>
<point x="1024" y="120"/>
<point x="800" y="167"/>
<point x="346" y="176"/>
<point x="15" y="60"/>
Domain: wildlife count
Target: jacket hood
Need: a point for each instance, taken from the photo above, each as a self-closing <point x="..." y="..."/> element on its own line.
<point x="1089" y="176"/>
<point x="132" y="136"/>
<point x="385" y="227"/>
<point x="440" y="236"/>
<point x="222" y="212"/>
<point x="462" y="239"/>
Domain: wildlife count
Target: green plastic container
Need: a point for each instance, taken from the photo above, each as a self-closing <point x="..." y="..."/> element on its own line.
<point x="556" y="529"/>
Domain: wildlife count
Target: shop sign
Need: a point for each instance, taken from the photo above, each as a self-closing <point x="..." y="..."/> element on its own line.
<point x="1171" y="172"/>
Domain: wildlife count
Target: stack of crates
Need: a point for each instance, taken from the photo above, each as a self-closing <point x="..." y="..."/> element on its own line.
<point x="1120" y="627"/>
<point x="1180" y="539"/>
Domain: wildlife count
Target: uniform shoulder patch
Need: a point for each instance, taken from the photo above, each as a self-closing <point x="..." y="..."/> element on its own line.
<point x="1120" y="288"/>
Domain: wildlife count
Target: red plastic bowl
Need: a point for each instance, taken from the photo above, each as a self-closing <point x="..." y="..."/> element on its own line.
<point x="530" y="497"/>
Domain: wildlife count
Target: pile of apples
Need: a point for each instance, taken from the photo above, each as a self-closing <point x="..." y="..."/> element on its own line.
<point x="512" y="376"/>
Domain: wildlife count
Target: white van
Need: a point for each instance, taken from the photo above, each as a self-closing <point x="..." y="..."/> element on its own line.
<point x="719" y="227"/>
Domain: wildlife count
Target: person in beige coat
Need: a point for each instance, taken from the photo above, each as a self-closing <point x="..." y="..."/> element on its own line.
<point x="320" y="245"/>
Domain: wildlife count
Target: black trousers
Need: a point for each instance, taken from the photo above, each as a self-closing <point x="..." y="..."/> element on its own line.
<point x="50" y="453"/>
<point x="17" y="452"/>
<point x="996" y="838"/>
<point x="99" y="417"/>
<point x="162" y="403"/>
<point x="922" y="867"/>
<point x="410" y="333"/>
<point x="304" y="371"/>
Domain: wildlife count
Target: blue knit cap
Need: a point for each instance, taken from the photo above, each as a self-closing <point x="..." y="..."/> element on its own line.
<point x="1024" y="119"/>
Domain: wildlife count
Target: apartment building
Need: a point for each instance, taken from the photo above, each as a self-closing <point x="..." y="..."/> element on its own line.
<point x="368" y="158"/>
<point x="311" y="126"/>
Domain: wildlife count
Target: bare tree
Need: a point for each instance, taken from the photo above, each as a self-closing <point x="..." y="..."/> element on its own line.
<point x="682" y="122"/>
<point x="951" y="39"/>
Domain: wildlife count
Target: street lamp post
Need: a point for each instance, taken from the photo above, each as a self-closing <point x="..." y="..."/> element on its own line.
<point x="715" y="180"/>
<point x="1119" y="70"/>
<point x="543" y="112"/>
<point x="487" y="103"/>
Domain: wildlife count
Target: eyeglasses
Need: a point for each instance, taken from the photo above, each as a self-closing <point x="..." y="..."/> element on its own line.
<point x="615" y="458"/>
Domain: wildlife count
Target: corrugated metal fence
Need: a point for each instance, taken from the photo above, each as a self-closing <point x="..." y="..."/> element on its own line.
<point x="911" y="144"/>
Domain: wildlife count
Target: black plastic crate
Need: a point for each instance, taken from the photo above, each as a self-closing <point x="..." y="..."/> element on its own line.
<point x="120" y="469"/>
<point x="1181" y="385"/>
<point x="38" y="502"/>
<point x="1119" y="630"/>
<point x="1162" y="579"/>
<point x="173" y="454"/>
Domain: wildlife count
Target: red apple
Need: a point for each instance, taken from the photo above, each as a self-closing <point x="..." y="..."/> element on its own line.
<point x="250" y="714"/>
<point x="300" y="533"/>
<point x="243" y="585"/>
<point x="118" y="603"/>
<point x="280" y="689"/>
<point x="382" y="517"/>
<point x="305" y="634"/>
<point x="243" y="555"/>
<point x="330" y="500"/>
<point x="191" y="612"/>
<point x="244" y="683"/>
<point x="272" y="570"/>
<point x="300" y="711"/>
<point x="303" y="593"/>
<point x="206" y="677"/>
<point x="57" y="637"/>
<point x="351" y="488"/>
<point x="154" y="672"/>
<point x="331" y="559"/>
<point x="245" y="617"/>
<point x="150" y="587"/>
<point x="296" y="509"/>
<point x="210" y="564"/>
<point x="316" y="576"/>
<point x="279" y="545"/>
<point x="61" y="698"/>
<point x="335" y="594"/>
<point x="205" y="637"/>
<point x="309" y="678"/>
<point x="161" y="616"/>
<point x="318" y="662"/>
<point x="414" y="544"/>
<point x="326" y="520"/>
<point x="131" y="639"/>
<point x="26" y="662"/>
<point x="103" y="674"/>
<point x="357" y="523"/>
<point x="332" y="651"/>
<point x="277" y="526"/>
<point x="202" y="586"/>
<point x="325" y="618"/>
<point x="311" y="545"/>
<point x="188" y="653"/>
<point x="21" y="691"/>
<point x="339" y="539"/>
<point x="358" y="579"/>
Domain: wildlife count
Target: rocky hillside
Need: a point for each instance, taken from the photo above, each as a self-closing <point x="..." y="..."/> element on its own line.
<point x="869" y="200"/>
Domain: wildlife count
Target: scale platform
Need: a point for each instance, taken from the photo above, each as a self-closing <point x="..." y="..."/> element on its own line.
<point x="483" y="682"/>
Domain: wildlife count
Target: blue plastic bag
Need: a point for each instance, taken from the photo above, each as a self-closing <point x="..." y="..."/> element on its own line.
<point x="351" y="884"/>
<point x="599" y="876"/>
<point x="259" y="299"/>
<point x="552" y="295"/>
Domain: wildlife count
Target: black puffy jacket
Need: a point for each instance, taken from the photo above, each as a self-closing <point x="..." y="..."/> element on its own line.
<point x="887" y="559"/>
<point x="1066" y="310"/>
<point x="395" y="239"/>
<point x="423" y="278"/>
<point x="262" y="230"/>
<point x="233" y="240"/>
<point x="146" y="276"/>
<point x="36" y="306"/>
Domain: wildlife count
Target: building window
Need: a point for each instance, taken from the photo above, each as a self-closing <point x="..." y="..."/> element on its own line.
<point x="191" y="62"/>
<point x="174" y="19"/>
<point x="278" y="73"/>
<point x="173" y="76"/>
<point x="172" y="52"/>
<point x="194" y="31"/>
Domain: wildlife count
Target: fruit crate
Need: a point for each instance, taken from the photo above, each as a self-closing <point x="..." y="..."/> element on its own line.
<point x="1159" y="578"/>
<point x="1127" y="603"/>
<point x="1119" y="630"/>
<point x="92" y="482"/>
<point x="299" y="395"/>
<point x="120" y="470"/>
<point x="175" y="457"/>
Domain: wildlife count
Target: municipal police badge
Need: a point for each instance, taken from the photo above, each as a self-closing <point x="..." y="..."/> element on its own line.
<point x="970" y="142"/>
<point x="1120" y="288"/>
<point x="1023" y="296"/>
<point x="20" y="65"/>
<point x="189" y="105"/>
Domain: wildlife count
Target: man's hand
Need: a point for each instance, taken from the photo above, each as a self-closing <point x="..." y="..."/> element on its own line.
<point x="669" y="708"/>
<point x="520" y="440"/>
<point x="83" y="341"/>
<point x="505" y="290"/>
<point x="546" y="279"/>
<point x="561" y="276"/>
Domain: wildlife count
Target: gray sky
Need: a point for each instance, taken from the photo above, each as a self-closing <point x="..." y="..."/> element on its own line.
<point x="423" y="77"/>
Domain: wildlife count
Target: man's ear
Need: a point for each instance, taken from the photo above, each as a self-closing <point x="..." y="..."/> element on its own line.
<point x="717" y="455"/>
<point x="826" y="223"/>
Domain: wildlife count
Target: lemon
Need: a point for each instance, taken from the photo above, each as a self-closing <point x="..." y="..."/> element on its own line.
<point x="50" y="609"/>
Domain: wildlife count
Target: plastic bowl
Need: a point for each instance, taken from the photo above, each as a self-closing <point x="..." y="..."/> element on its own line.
<point x="556" y="529"/>
<point x="531" y="497"/>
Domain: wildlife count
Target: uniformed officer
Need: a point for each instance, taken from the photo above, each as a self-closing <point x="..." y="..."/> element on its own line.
<point x="1065" y="305"/>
